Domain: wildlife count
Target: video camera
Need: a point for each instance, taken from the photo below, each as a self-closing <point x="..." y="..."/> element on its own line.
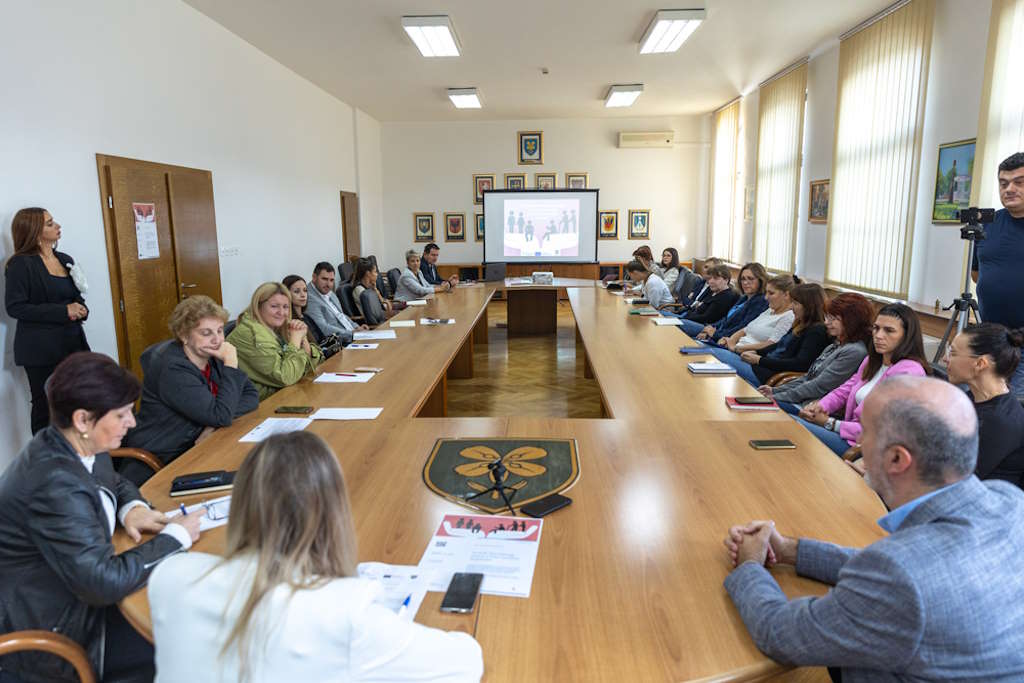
<point x="975" y="216"/>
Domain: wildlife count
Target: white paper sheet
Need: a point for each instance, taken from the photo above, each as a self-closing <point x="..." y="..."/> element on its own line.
<point x="416" y="302"/>
<point x="364" y="335"/>
<point x="485" y="544"/>
<point x="360" y="347"/>
<point x="216" y="512"/>
<point x="344" y="377"/>
<point x="276" y="425"/>
<point x="399" y="582"/>
<point x="437" y="321"/>
<point x="403" y="323"/>
<point x="667" y="321"/>
<point x="347" y="414"/>
<point x="618" y="293"/>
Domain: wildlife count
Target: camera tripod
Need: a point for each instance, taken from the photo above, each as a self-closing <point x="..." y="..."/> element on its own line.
<point x="965" y="303"/>
<point x="498" y="471"/>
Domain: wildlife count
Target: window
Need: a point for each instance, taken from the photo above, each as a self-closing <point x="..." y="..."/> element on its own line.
<point x="725" y="140"/>
<point x="882" y="80"/>
<point x="1001" y="124"/>
<point x="780" y="132"/>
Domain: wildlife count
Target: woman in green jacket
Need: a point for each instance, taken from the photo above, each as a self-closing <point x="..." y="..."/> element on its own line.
<point x="273" y="349"/>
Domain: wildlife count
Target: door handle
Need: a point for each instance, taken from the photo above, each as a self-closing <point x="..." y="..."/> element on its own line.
<point x="184" y="286"/>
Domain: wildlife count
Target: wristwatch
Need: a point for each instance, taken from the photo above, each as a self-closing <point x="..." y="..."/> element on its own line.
<point x="830" y="424"/>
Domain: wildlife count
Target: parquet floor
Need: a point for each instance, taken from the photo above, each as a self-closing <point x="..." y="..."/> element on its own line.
<point x="532" y="376"/>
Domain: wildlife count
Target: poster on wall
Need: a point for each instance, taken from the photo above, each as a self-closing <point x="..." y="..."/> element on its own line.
<point x="953" y="180"/>
<point x="145" y="230"/>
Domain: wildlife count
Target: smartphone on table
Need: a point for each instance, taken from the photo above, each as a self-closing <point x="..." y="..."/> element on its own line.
<point x="771" y="444"/>
<point x="462" y="592"/>
<point x="294" y="410"/>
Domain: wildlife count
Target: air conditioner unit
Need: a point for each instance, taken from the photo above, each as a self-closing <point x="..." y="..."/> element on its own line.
<point x="657" y="139"/>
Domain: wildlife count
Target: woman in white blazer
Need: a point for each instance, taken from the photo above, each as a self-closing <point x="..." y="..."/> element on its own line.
<point x="412" y="285"/>
<point x="284" y="603"/>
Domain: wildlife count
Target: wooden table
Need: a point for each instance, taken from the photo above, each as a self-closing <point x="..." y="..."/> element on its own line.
<point x="628" y="582"/>
<point x="533" y="309"/>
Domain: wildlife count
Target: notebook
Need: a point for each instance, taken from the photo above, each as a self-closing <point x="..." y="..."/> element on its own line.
<point x="710" y="367"/>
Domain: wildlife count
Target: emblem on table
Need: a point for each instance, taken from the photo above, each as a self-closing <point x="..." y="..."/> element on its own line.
<point x="497" y="474"/>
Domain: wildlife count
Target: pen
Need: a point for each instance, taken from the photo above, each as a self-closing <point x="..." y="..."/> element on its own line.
<point x="405" y="605"/>
<point x="345" y="374"/>
<point x="181" y="506"/>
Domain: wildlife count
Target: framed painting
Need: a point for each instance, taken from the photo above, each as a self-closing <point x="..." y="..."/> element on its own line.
<point x="639" y="224"/>
<point x="608" y="225"/>
<point x="455" y="227"/>
<point x="545" y="181"/>
<point x="515" y="181"/>
<point x="481" y="183"/>
<point x="953" y="179"/>
<point x="423" y="227"/>
<point x="479" y="227"/>
<point x="577" y="181"/>
<point x="817" y="207"/>
<point x="530" y="147"/>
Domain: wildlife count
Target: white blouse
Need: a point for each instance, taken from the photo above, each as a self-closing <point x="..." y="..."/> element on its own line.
<point x="767" y="327"/>
<point x="332" y="633"/>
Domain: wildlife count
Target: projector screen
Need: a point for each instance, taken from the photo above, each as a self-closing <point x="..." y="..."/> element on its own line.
<point x="540" y="226"/>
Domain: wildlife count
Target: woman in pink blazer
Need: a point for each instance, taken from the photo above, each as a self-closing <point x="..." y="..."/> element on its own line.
<point x="897" y="349"/>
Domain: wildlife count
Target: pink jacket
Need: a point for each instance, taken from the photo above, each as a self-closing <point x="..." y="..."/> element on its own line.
<point x="846" y="395"/>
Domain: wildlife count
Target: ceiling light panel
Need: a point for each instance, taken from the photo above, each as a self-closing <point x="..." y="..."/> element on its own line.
<point x="465" y="98"/>
<point x="433" y="36"/>
<point x="670" y="29"/>
<point x="623" y="95"/>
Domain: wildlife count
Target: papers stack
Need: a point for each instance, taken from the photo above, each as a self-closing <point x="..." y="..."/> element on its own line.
<point x="710" y="367"/>
<point x="344" y="377"/>
<point x="402" y="587"/>
<point x="346" y="414"/>
<point x="363" y="335"/>
<point x="437" y="321"/>
<point x="667" y="321"/>
<point x="644" y="310"/>
<point x="403" y="323"/>
<point x="276" y="425"/>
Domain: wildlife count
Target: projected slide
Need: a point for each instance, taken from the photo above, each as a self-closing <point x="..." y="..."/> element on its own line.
<point x="540" y="226"/>
<point x="536" y="227"/>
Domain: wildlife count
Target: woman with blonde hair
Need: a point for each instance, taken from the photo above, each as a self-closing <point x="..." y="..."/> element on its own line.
<point x="284" y="602"/>
<point x="273" y="349"/>
<point x="191" y="386"/>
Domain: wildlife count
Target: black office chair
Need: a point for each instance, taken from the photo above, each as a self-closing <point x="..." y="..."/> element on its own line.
<point x="372" y="309"/>
<point x="229" y="326"/>
<point x="393" y="275"/>
<point x="345" y="271"/>
<point x="348" y="302"/>
<point x="318" y="335"/>
<point x="494" y="272"/>
<point x="384" y="286"/>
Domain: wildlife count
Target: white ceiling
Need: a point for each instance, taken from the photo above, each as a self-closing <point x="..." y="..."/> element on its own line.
<point x="357" y="51"/>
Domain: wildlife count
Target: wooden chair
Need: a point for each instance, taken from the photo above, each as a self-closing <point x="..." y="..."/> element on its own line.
<point x="780" y="378"/>
<point x="138" y="454"/>
<point x="55" y="644"/>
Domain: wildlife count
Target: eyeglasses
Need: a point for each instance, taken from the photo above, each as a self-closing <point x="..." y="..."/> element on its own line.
<point x="829" y="318"/>
<point x="951" y="354"/>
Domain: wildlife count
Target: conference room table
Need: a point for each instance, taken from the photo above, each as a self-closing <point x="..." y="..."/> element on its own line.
<point x="532" y="307"/>
<point x="628" y="580"/>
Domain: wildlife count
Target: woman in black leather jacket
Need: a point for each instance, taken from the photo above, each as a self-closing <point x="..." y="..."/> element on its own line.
<point x="60" y="501"/>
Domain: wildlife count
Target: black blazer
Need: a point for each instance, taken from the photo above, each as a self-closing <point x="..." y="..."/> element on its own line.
<point x="57" y="562"/>
<point x="44" y="334"/>
<point x="430" y="272"/>
<point x="711" y="308"/>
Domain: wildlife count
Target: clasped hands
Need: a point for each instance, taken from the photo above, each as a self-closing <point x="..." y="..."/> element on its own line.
<point x="77" y="311"/>
<point x="812" y="412"/>
<point x="759" y="542"/>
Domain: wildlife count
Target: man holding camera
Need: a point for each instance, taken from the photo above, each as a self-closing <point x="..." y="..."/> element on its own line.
<point x="998" y="266"/>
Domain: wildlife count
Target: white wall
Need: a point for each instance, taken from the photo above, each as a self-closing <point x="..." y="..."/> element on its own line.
<point x="956" y="71"/>
<point x="371" y="188"/>
<point x="159" y="81"/>
<point x="430" y="167"/>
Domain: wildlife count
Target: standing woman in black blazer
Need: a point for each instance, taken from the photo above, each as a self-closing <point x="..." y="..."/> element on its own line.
<point x="44" y="294"/>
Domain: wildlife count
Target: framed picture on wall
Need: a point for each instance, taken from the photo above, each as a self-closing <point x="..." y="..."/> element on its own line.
<point x="531" y="147"/>
<point x="577" y="181"/>
<point x="817" y="207"/>
<point x="515" y="181"/>
<point x="455" y="227"/>
<point x="479" y="227"/>
<point x="953" y="179"/>
<point x="423" y="227"/>
<point x="639" y="224"/>
<point x="545" y="181"/>
<point x="482" y="182"/>
<point x="608" y="225"/>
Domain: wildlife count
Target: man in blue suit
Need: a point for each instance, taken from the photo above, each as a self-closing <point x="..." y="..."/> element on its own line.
<point x="428" y="266"/>
<point x="940" y="597"/>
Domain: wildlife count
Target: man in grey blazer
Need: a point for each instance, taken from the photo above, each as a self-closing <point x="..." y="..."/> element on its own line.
<point x="940" y="597"/>
<point x="323" y="306"/>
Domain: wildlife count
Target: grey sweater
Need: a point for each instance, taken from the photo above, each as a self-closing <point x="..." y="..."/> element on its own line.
<point x="835" y="365"/>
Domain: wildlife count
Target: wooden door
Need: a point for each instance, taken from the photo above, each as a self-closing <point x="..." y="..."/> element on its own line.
<point x="350" y="225"/>
<point x="148" y="279"/>
<point x="149" y="286"/>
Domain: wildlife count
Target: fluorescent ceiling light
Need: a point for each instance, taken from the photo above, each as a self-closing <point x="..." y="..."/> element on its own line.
<point x="464" y="98"/>
<point x="623" y="95"/>
<point x="670" y="29"/>
<point x="433" y="36"/>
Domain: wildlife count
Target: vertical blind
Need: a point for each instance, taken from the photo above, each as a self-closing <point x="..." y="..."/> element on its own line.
<point x="723" y="178"/>
<point x="779" y="141"/>
<point x="1001" y="124"/>
<point x="882" y="81"/>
